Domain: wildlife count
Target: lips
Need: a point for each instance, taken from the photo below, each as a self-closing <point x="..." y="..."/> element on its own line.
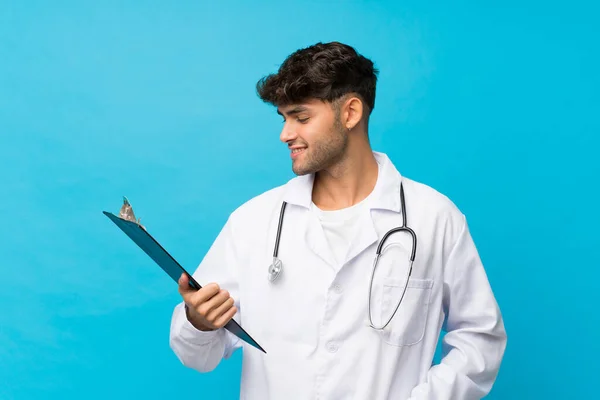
<point x="297" y="151"/>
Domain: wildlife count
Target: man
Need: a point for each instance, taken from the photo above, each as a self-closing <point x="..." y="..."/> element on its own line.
<point x="322" y="324"/>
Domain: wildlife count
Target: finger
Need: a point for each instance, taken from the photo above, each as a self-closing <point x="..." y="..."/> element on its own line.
<point x="223" y="319"/>
<point x="206" y="306"/>
<point x="194" y="297"/>
<point x="213" y="315"/>
<point x="205" y="294"/>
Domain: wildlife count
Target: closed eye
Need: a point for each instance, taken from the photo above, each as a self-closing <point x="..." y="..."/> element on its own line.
<point x="301" y="120"/>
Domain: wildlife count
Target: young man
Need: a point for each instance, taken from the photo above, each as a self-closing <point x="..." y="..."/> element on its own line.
<point x="332" y="329"/>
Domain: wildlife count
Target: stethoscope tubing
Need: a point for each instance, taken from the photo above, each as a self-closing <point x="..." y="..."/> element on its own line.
<point x="276" y="267"/>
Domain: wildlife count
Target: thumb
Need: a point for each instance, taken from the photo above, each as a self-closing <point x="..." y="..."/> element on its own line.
<point x="184" y="284"/>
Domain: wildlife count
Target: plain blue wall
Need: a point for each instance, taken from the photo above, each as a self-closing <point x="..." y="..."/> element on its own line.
<point x="496" y="106"/>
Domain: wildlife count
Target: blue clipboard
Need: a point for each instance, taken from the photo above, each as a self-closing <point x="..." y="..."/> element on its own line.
<point x="164" y="260"/>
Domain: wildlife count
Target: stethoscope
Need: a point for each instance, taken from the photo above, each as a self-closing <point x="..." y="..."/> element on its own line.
<point x="276" y="267"/>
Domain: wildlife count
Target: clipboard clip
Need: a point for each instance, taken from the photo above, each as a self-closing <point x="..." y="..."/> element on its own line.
<point x="126" y="213"/>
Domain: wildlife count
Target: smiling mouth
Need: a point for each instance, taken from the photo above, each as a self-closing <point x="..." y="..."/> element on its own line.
<point x="296" y="152"/>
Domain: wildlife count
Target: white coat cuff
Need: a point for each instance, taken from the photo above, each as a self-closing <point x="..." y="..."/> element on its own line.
<point x="190" y="334"/>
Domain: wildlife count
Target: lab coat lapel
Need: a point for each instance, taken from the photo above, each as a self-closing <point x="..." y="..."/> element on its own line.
<point x="299" y="193"/>
<point x="364" y="238"/>
<point x="316" y="240"/>
<point x="385" y="196"/>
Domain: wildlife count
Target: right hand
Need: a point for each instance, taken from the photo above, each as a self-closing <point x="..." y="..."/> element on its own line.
<point x="209" y="308"/>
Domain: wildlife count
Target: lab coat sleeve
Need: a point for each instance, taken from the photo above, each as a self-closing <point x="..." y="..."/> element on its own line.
<point x="474" y="344"/>
<point x="204" y="350"/>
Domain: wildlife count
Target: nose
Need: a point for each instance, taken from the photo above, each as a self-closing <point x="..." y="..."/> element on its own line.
<point x="288" y="133"/>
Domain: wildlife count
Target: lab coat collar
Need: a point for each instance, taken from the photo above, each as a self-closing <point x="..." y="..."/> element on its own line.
<point x="385" y="195"/>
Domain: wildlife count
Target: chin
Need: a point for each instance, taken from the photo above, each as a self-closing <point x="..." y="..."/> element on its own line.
<point x="299" y="171"/>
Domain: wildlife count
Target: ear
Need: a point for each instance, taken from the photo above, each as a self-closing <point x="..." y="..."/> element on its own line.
<point x="352" y="112"/>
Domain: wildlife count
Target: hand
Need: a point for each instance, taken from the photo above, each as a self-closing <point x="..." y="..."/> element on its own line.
<point x="209" y="308"/>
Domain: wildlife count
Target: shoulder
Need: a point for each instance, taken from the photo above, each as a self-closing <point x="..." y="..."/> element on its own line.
<point x="258" y="210"/>
<point x="429" y="196"/>
<point x="433" y="207"/>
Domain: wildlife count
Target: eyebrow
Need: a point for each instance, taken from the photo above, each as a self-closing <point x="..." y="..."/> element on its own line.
<point x="293" y="111"/>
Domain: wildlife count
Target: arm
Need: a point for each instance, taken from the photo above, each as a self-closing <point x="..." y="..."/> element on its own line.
<point x="204" y="349"/>
<point x="474" y="345"/>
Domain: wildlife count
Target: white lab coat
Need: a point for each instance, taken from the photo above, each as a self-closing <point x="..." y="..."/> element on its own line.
<point x="314" y="323"/>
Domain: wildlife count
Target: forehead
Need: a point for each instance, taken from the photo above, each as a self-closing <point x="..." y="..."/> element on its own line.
<point x="312" y="105"/>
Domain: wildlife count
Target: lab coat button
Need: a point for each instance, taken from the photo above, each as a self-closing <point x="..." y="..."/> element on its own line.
<point x="337" y="288"/>
<point x="332" y="347"/>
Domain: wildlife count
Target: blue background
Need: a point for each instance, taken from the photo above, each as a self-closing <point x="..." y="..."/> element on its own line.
<point x="494" y="105"/>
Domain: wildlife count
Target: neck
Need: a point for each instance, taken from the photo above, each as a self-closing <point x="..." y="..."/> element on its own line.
<point x="348" y="182"/>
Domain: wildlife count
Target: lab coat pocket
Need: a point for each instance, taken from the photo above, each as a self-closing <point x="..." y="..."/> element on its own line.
<point x="408" y="325"/>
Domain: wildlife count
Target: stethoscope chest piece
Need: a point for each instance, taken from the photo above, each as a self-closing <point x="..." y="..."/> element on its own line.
<point x="275" y="269"/>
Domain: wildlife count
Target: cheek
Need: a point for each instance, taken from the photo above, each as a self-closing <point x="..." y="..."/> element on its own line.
<point x="306" y="134"/>
<point x="313" y="133"/>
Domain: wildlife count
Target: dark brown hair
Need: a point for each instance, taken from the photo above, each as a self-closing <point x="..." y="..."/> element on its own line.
<point x="325" y="71"/>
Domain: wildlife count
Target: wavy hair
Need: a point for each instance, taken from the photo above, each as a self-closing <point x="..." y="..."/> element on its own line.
<point x="325" y="71"/>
